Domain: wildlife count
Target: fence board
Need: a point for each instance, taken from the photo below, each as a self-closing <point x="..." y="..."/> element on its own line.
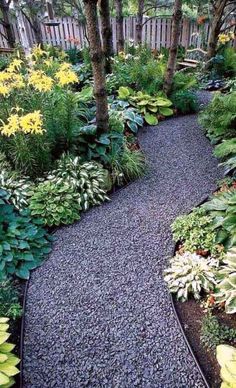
<point x="156" y="33"/>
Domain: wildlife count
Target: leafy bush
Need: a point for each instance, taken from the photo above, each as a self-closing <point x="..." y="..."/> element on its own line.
<point x="219" y="117"/>
<point x="87" y="179"/>
<point x="23" y="242"/>
<point x="55" y="203"/>
<point x="150" y="107"/>
<point x="9" y="301"/>
<point x="189" y="274"/>
<point x="8" y="359"/>
<point x="195" y="231"/>
<point x="225" y="291"/>
<point x="184" y="81"/>
<point x="213" y="333"/>
<point x="185" y="101"/>
<point x="128" y="116"/>
<point x="18" y="188"/>
<point x="226" y="357"/>
<point x="227" y="151"/>
<point x="221" y="208"/>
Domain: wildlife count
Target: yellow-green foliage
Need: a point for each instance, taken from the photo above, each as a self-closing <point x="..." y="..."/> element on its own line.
<point x="8" y="360"/>
<point x="226" y="356"/>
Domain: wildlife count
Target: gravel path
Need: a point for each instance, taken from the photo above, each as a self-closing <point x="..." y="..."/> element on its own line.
<point x="98" y="312"/>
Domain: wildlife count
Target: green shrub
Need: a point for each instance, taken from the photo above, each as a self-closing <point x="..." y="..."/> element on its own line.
<point x="18" y="188"/>
<point x="55" y="203"/>
<point x="9" y="301"/>
<point x="222" y="210"/>
<point x="87" y="179"/>
<point x="189" y="274"/>
<point x="23" y="242"/>
<point x="185" y="101"/>
<point x="132" y="164"/>
<point x="219" y="117"/>
<point x="184" y="81"/>
<point x="195" y="231"/>
<point x="213" y="333"/>
<point x="8" y="360"/>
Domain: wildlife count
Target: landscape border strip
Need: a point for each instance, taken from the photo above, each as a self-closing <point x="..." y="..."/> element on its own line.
<point x="22" y="332"/>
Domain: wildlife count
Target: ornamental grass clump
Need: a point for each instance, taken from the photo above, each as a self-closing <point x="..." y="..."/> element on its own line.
<point x="190" y="274"/>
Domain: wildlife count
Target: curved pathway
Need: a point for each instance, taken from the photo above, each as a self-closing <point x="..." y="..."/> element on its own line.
<point x="98" y="312"/>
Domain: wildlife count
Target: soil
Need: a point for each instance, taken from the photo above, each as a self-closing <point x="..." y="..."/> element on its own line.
<point x="191" y="315"/>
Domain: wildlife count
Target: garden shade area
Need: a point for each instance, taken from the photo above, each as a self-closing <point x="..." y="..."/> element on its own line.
<point x="98" y="311"/>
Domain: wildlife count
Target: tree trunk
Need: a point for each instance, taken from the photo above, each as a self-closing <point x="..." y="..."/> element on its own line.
<point x="106" y="33"/>
<point x="218" y="11"/>
<point x="177" y="18"/>
<point x="4" y="7"/>
<point x="139" y="24"/>
<point x="119" y="22"/>
<point x="97" y="58"/>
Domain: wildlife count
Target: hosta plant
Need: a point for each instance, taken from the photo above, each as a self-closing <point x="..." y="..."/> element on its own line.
<point x="55" y="203"/>
<point x="87" y="179"/>
<point x="18" y="188"/>
<point x="151" y="107"/>
<point x="226" y="357"/>
<point x="8" y="360"/>
<point x="189" y="274"/>
<point x="195" y="231"/>
<point x="129" y="116"/>
<point x="225" y="292"/>
<point x="23" y="242"/>
<point x="222" y="209"/>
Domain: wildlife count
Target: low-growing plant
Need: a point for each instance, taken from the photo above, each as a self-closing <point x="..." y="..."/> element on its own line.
<point x="128" y="115"/>
<point x="185" y="101"/>
<point x="8" y="360"/>
<point x="9" y="301"/>
<point x="225" y="292"/>
<point x="195" y="231"/>
<point x="87" y="179"/>
<point x="24" y="244"/>
<point x="184" y="81"/>
<point x="55" y="203"/>
<point x="214" y="333"/>
<point x="190" y="274"/>
<point x="226" y="357"/>
<point x="222" y="209"/>
<point x="18" y="187"/>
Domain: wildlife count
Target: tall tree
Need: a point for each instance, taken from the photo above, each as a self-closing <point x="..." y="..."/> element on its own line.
<point x="106" y="33"/>
<point x="97" y="58"/>
<point x="5" y="20"/>
<point x="120" y="28"/>
<point x="33" y="11"/>
<point x="221" y="9"/>
<point x="176" y="28"/>
<point x="139" y="24"/>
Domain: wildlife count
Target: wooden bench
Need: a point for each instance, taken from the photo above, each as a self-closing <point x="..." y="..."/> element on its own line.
<point x="193" y="58"/>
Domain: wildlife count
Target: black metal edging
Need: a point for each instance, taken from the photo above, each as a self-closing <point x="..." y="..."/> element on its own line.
<point x="22" y="333"/>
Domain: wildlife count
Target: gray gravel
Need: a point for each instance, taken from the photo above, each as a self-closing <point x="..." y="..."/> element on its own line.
<point x="98" y="312"/>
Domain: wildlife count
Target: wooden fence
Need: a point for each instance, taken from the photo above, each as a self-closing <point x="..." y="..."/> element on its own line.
<point x="156" y="33"/>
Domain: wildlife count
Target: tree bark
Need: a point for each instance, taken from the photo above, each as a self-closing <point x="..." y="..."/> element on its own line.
<point x="97" y="58"/>
<point x="106" y="33"/>
<point x="177" y="18"/>
<point x="139" y="24"/>
<point x="119" y="22"/>
<point x="4" y="7"/>
<point x="218" y="10"/>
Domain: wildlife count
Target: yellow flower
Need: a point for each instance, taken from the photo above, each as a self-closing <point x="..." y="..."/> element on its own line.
<point x="224" y="38"/>
<point x="48" y="62"/>
<point x="29" y="123"/>
<point x="65" y="75"/>
<point x="40" y="81"/>
<point x="9" y="82"/>
<point x="14" y="65"/>
<point x="37" y="52"/>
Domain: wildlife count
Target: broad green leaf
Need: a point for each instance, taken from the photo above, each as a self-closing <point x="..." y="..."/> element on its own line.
<point x="151" y="119"/>
<point x="166" y="111"/>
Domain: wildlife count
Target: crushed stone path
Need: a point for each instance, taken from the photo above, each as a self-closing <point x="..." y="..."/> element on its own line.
<point x="98" y="312"/>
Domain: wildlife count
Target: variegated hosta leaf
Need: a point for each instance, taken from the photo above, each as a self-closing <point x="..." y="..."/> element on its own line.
<point x="226" y="285"/>
<point x="190" y="274"/>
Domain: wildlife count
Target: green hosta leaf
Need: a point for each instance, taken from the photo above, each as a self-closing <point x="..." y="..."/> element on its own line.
<point x="166" y="111"/>
<point x="3" y="357"/>
<point x="151" y="119"/>
<point x="4" y="337"/>
<point x="133" y="126"/>
<point x="9" y="370"/>
<point x="123" y="93"/>
<point x="3" y="379"/>
<point x="163" y="102"/>
<point x="6" y="347"/>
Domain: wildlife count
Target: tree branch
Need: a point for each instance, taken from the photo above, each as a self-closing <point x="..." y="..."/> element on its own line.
<point x="228" y="27"/>
<point x="153" y="17"/>
<point x="224" y="19"/>
<point x="28" y="19"/>
<point x="3" y="35"/>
